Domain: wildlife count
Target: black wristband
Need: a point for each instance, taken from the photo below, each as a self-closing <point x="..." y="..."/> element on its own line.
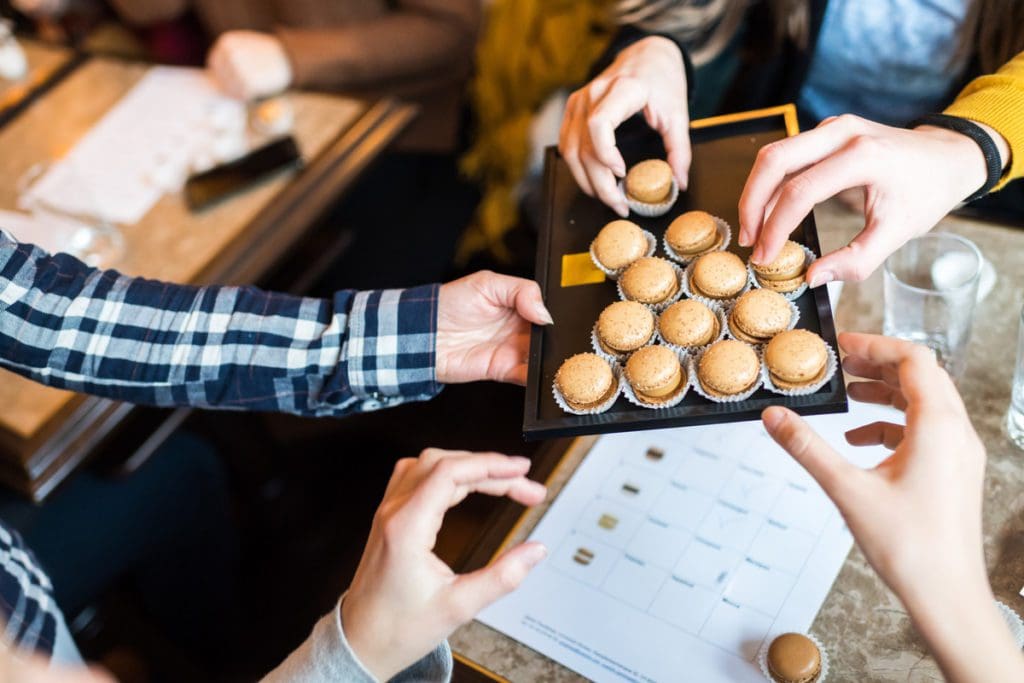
<point x="993" y="162"/>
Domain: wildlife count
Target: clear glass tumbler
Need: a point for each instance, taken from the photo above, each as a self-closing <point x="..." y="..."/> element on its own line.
<point x="931" y="287"/>
<point x="1015" y="416"/>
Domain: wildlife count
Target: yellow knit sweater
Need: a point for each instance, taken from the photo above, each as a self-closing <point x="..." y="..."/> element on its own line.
<point x="997" y="100"/>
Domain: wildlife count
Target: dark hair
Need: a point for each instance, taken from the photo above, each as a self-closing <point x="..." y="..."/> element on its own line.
<point x="993" y="31"/>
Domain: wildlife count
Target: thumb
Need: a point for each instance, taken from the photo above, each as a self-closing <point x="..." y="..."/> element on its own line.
<point x="837" y="477"/>
<point x="474" y="591"/>
<point x="530" y="303"/>
<point x="854" y="262"/>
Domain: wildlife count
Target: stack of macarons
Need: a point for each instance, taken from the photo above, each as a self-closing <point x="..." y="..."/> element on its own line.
<point x="668" y="330"/>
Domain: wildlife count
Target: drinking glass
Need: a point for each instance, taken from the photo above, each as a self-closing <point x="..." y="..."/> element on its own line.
<point x="931" y="287"/>
<point x="1015" y="416"/>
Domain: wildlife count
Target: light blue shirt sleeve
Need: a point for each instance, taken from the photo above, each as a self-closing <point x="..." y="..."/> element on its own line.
<point x="326" y="656"/>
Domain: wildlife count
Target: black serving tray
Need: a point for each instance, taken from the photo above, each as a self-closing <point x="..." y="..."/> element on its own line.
<point x="724" y="149"/>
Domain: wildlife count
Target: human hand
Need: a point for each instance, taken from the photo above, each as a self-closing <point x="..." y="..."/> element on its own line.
<point x="911" y="179"/>
<point x="40" y="8"/>
<point x="649" y="76"/>
<point x="404" y="600"/>
<point x="248" y="65"/>
<point x="483" y="328"/>
<point x="917" y="515"/>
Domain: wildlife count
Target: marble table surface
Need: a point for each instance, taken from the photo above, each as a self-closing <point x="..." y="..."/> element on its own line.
<point x="867" y="632"/>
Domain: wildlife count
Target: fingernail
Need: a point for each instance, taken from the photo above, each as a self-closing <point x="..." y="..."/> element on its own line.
<point x="757" y="255"/>
<point x="520" y="460"/>
<point x="535" y="554"/>
<point x="544" y="315"/>
<point x="744" y="238"/>
<point x="822" y="278"/>
<point x="772" y="417"/>
<point x="684" y="182"/>
<point x="622" y="210"/>
<point x="619" y="170"/>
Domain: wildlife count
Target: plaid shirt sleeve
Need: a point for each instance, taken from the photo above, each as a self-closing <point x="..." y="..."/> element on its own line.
<point x="70" y="326"/>
<point x="28" y="613"/>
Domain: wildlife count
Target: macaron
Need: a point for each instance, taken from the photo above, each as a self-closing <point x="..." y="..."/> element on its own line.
<point x="784" y="274"/>
<point x="692" y="234"/>
<point x="649" y="280"/>
<point x="794" y="658"/>
<point x="585" y="381"/>
<point x="650" y="181"/>
<point x="655" y="374"/>
<point x="796" y="359"/>
<point x="619" y="244"/>
<point x="718" y="275"/>
<point x="759" y="315"/>
<point x="624" y="326"/>
<point x="728" y="368"/>
<point x="689" y="324"/>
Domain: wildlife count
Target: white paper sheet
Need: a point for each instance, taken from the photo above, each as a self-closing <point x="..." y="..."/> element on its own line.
<point x="173" y="121"/>
<point x="690" y="560"/>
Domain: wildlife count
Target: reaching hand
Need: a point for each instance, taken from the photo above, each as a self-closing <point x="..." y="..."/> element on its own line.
<point x="404" y="600"/>
<point x="483" y="328"/>
<point x="40" y="8"/>
<point x="649" y="76"/>
<point x="911" y="179"/>
<point x="249" y="65"/>
<point x="917" y="515"/>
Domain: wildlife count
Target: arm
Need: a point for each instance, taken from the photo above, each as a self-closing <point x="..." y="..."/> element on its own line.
<point x="917" y="515"/>
<point x="911" y="178"/>
<point x="67" y="325"/>
<point x="404" y="601"/>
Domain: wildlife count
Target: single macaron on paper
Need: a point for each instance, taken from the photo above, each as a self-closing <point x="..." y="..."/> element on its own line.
<point x="759" y="315"/>
<point x="586" y="382"/>
<point x="650" y="280"/>
<point x="796" y="359"/>
<point x="794" y="658"/>
<point x="689" y="324"/>
<point x="619" y="244"/>
<point x="692" y="234"/>
<point x="728" y="368"/>
<point x="786" y="273"/>
<point x="650" y="188"/>
<point x="655" y="375"/>
<point x="624" y="327"/>
<point x="720" y="275"/>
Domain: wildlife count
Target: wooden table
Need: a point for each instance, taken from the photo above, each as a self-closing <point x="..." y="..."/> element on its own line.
<point x="46" y="433"/>
<point x="867" y="632"/>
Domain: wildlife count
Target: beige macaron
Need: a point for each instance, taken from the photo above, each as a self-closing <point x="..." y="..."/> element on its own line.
<point x="585" y="381"/>
<point x="655" y="374"/>
<point x="650" y="280"/>
<point x="784" y="274"/>
<point x="728" y="368"/>
<point x="650" y="181"/>
<point x="619" y="244"/>
<point x="796" y="359"/>
<point x="759" y="315"/>
<point x="718" y="275"/>
<point x="692" y="234"/>
<point x="624" y="326"/>
<point x="794" y="658"/>
<point x="689" y="324"/>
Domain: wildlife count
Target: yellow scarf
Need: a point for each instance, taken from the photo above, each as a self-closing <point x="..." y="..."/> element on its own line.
<point x="529" y="49"/>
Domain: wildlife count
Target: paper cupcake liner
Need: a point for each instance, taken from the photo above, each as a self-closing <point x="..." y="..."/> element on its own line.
<point x="1014" y="621"/>
<point x="621" y="357"/>
<point x="794" y="318"/>
<point x="631" y="396"/>
<point x="831" y="365"/>
<point x="650" y="210"/>
<point x="560" y="400"/>
<point x="722" y="324"/>
<point x="695" y="362"/>
<point x="725" y="303"/>
<point x="795" y="294"/>
<point x="762" y="658"/>
<point x="724" y="229"/>
<point x="658" y="308"/>
<point x="652" y="246"/>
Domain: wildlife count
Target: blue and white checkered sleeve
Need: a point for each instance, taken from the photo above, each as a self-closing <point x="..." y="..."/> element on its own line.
<point x="389" y="355"/>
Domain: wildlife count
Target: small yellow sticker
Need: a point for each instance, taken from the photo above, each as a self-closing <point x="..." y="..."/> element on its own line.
<point x="579" y="269"/>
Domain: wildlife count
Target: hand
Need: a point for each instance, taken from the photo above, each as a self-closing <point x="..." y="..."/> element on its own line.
<point x="249" y="65"/>
<point x="404" y="600"/>
<point x="19" y="667"/>
<point x="648" y="75"/>
<point x="483" y="328"/>
<point x="911" y="179"/>
<point x="40" y="8"/>
<point x="917" y="515"/>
